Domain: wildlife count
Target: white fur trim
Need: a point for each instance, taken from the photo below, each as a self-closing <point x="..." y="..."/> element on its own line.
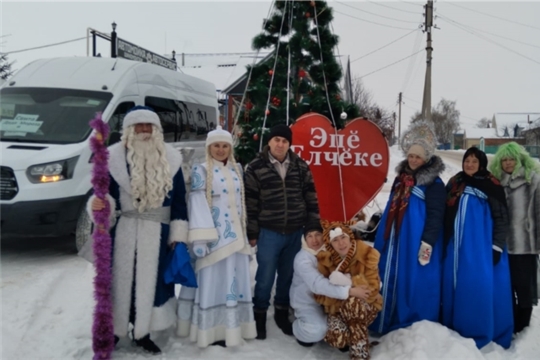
<point x="164" y="316"/>
<point x="308" y="249"/>
<point x="232" y="337"/>
<point x="142" y="237"/>
<point x="183" y="327"/>
<point x="112" y="206"/>
<point x="119" y="170"/>
<point x="335" y="233"/>
<point x="178" y="231"/>
<point x="219" y="135"/>
<point x="206" y="235"/>
<point x="141" y="116"/>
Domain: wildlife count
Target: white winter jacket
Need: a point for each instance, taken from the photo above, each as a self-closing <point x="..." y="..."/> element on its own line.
<point x="307" y="280"/>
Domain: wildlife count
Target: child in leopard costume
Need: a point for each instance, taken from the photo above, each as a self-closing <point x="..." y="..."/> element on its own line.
<point x="346" y="261"/>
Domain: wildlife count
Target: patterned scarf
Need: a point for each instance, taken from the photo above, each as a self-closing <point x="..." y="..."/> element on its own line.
<point x="483" y="180"/>
<point x="401" y="189"/>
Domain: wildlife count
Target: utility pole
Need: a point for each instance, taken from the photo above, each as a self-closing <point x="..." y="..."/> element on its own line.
<point x="428" y="24"/>
<point x="400" y="99"/>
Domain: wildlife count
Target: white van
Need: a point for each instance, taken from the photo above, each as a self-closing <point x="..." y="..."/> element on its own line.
<point x="44" y="132"/>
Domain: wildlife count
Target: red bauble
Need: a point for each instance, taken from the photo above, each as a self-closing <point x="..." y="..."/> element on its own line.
<point x="312" y="3"/>
<point x="267" y="112"/>
<point x="255" y="137"/>
<point x="276" y="101"/>
<point x="270" y="72"/>
<point x="302" y="73"/>
<point x="308" y="15"/>
<point x="249" y="105"/>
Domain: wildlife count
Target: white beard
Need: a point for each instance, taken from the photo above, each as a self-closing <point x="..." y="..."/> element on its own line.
<point x="150" y="172"/>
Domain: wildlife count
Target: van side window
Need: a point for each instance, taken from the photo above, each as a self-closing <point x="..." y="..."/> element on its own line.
<point x="117" y="118"/>
<point x="182" y="120"/>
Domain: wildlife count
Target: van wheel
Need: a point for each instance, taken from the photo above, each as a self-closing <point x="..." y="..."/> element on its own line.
<point x="84" y="229"/>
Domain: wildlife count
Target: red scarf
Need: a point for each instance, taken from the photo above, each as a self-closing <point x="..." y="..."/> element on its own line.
<point x="402" y="192"/>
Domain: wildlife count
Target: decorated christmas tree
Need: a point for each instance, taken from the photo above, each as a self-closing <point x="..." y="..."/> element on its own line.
<point x="301" y="74"/>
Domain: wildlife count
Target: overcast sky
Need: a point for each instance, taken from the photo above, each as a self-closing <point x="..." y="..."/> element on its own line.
<point x="483" y="76"/>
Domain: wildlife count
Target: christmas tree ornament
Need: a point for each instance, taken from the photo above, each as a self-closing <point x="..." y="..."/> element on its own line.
<point x="267" y="112"/>
<point x="308" y="15"/>
<point x="270" y="72"/>
<point x="343" y="115"/>
<point x="312" y="3"/>
<point x="301" y="73"/>
<point x="256" y="137"/>
<point x="249" y="105"/>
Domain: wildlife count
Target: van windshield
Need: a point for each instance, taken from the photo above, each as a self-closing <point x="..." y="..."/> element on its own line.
<point x="48" y="115"/>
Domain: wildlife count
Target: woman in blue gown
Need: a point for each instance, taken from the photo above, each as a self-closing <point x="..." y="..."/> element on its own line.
<point x="477" y="297"/>
<point x="410" y="237"/>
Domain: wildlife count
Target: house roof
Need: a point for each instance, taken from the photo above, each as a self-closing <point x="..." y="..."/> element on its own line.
<point x="222" y="70"/>
<point x="488" y="133"/>
<point x="510" y="120"/>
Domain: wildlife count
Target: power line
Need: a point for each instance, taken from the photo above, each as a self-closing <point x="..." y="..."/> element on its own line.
<point x="500" y="36"/>
<point x="411" y="3"/>
<point x="382" y="47"/>
<point x="387" y="66"/>
<point x="452" y="22"/>
<point x="385" y="17"/>
<point x="493" y="16"/>
<point x="391" y="7"/>
<point x="372" y="22"/>
<point x="44" y="46"/>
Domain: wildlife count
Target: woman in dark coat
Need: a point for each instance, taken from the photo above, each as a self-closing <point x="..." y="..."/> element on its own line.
<point x="477" y="299"/>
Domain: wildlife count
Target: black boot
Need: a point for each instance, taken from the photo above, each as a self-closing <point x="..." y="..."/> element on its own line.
<point x="344" y="349"/>
<point x="116" y="340"/>
<point x="148" y="345"/>
<point x="282" y="320"/>
<point x="305" y="344"/>
<point x="219" y="343"/>
<point x="522" y="318"/>
<point x="260" y="323"/>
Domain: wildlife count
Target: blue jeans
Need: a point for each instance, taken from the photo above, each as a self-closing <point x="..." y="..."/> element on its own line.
<point x="275" y="251"/>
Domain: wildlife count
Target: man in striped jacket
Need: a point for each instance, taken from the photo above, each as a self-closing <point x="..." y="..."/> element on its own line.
<point x="280" y="201"/>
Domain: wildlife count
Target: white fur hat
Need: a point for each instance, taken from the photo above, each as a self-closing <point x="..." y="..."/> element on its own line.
<point x="219" y="135"/>
<point x="336" y="232"/>
<point x="141" y="115"/>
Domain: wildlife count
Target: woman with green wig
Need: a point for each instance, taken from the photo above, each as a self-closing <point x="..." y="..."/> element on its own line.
<point x="520" y="176"/>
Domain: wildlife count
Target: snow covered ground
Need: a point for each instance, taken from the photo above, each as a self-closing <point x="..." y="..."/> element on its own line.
<point x="47" y="304"/>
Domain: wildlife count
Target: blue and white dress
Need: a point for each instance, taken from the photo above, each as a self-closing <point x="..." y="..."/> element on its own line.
<point x="221" y="307"/>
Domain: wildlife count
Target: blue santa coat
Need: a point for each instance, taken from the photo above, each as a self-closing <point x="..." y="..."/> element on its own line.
<point x="411" y="292"/>
<point x="155" y="310"/>
<point x="476" y="299"/>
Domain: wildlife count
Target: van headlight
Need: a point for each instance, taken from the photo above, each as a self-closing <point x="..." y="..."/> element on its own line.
<point x="52" y="172"/>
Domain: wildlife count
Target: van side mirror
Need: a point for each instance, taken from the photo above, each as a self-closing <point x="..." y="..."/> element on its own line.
<point x="114" y="138"/>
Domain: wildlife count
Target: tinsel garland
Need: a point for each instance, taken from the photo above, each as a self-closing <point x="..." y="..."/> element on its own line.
<point x="102" y="327"/>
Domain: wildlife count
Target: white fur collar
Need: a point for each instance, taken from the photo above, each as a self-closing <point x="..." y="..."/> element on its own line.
<point x="119" y="169"/>
<point x="308" y="249"/>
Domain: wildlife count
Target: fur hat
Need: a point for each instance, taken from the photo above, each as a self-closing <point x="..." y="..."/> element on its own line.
<point x="316" y="226"/>
<point x="141" y="115"/>
<point x="420" y="140"/>
<point x="219" y="135"/>
<point x="281" y="130"/>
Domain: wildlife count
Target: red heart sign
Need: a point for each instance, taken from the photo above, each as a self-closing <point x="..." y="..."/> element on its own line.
<point x="349" y="166"/>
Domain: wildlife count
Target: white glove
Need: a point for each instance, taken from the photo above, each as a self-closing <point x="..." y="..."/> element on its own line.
<point x="200" y="249"/>
<point x="424" y="254"/>
<point x="339" y="278"/>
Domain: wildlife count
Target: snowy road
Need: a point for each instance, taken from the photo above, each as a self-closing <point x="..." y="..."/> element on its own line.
<point x="47" y="302"/>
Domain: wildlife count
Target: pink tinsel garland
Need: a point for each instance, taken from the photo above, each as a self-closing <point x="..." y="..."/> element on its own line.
<point x="102" y="328"/>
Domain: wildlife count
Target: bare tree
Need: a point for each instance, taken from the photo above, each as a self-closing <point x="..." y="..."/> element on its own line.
<point x="5" y="67"/>
<point x="445" y="118"/>
<point x="369" y="109"/>
<point x="362" y="97"/>
<point x="483" y="123"/>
